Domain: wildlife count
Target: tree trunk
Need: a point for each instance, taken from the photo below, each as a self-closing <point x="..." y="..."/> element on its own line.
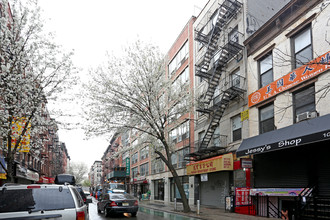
<point x="10" y="171"/>
<point x="178" y="183"/>
<point x="186" y="207"/>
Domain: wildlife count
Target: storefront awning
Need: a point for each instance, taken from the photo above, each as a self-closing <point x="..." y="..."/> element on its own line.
<point x="305" y="132"/>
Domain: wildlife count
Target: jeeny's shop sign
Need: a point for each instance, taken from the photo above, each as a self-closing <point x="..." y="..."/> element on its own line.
<point x="292" y="79"/>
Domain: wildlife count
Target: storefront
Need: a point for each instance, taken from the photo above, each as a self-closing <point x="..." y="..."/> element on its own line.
<point x="215" y="179"/>
<point x="289" y="160"/>
<point x="174" y="189"/>
<point x="26" y="176"/>
<point x="159" y="191"/>
<point x="139" y="184"/>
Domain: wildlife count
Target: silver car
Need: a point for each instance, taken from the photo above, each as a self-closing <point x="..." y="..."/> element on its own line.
<point x="41" y="202"/>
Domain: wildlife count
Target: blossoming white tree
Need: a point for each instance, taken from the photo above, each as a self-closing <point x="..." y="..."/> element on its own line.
<point x="133" y="93"/>
<point x="33" y="70"/>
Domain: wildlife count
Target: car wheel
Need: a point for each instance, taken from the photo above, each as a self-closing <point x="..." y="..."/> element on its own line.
<point x="133" y="214"/>
<point x="106" y="213"/>
<point x="98" y="209"/>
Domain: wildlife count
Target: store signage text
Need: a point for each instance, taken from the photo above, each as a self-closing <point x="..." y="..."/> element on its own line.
<point x="223" y="162"/>
<point x="303" y="73"/>
<point x="276" y="191"/>
<point x="288" y="143"/>
<point x="242" y="196"/>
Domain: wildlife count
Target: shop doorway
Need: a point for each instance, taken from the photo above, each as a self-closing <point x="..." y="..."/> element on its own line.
<point x="159" y="189"/>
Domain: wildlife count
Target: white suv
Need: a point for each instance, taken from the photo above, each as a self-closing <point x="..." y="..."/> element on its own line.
<point x="41" y="202"/>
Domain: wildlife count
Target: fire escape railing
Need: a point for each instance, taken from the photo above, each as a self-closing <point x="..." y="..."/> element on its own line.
<point x="211" y="65"/>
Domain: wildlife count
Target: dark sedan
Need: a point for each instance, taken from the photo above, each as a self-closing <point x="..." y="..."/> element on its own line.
<point x="114" y="203"/>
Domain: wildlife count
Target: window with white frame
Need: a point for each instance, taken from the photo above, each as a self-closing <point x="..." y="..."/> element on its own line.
<point x="236" y="78"/>
<point x="144" y="153"/>
<point x="157" y="166"/>
<point x="233" y="35"/>
<point x="302" y="43"/>
<point x="135" y="158"/>
<point x="266" y="118"/>
<point x="237" y="128"/>
<point x="304" y="101"/>
<point x="179" y="58"/>
<point x="173" y="135"/>
<point x="180" y="133"/>
<point x="266" y="70"/>
<point x="144" y="169"/>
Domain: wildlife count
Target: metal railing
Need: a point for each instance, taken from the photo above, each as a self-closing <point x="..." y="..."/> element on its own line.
<point x="218" y="141"/>
<point x="236" y="83"/>
<point x="266" y="206"/>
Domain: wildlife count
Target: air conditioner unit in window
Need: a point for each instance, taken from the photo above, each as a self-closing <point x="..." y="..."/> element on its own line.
<point x="306" y="115"/>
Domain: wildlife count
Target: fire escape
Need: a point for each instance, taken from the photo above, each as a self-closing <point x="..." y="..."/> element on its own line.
<point x="211" y="67"/>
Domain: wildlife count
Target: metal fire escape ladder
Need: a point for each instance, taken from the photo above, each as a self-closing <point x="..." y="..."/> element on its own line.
<point x="220" y="55"/>
<point x="227" y="10"/>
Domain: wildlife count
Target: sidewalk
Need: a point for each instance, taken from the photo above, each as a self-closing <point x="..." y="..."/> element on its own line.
<point x="205" y="212"/>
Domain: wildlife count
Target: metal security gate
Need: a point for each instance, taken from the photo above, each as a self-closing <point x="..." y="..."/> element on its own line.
<point x="214" y="191"/>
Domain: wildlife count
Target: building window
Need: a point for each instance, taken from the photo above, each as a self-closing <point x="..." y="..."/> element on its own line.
<point x="216" y="137"/>
<point x="266" y="70"/>
<point x="135" y="158"/>
<point x="233" y="35"/>
<point x="174" y="159"/>
<point x="200" y="137"/>
<point x="304" y="101"/>
<point x="178" y="60"/>
<point x="237" y="128"/>
<point x="302" y="43"/>
<point x="144" y="169"/>
<point x="144" y="153"/>
<point x="181" y="155"/>
<point x="266" y="115"/>
<point x="180" y="133"/>
<point x="236" y="79"/>
<point x="157" y="166"/>
<point x="135" y="172"/>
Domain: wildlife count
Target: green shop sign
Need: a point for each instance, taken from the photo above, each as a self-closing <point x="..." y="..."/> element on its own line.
<point x="128" y="166"/>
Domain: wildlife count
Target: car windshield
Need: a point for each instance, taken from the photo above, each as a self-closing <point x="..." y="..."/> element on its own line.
<point x="117" y="186"/>
<point x="115" y="196"/>
<point x="35" y="199"/>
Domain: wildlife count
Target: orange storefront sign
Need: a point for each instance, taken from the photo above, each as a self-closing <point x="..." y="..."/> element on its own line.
<point x="214" y="164"/>
<point x="292" y="79"/>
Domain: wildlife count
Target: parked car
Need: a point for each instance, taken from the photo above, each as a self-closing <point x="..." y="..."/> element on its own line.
<point x="114" y="188"/>
<point x="36" y="201"/>
<point x="114" y="203"/>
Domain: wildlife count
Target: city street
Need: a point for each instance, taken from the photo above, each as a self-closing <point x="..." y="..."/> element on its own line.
<point x="143" y="214"/>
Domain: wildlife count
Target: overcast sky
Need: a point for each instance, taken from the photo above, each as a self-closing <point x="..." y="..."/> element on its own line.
<point x="91" y="28"/>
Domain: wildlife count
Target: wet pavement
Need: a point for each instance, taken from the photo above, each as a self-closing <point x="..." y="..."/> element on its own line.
<point x="206" y="212"/>
<point x="144" y="213"/>
<point x="158" y="210"/>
